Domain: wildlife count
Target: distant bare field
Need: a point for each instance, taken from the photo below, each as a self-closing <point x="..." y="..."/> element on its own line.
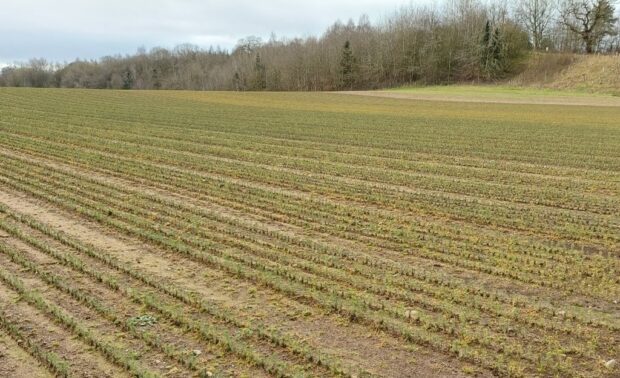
<point x="488" y="95"/>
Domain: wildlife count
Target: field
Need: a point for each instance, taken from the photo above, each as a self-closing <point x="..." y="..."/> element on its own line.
<point x="242" y="234"/>
<point x="497" y="94"/>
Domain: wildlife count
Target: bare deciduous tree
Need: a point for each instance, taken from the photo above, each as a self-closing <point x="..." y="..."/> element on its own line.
<point x="428" y="44"/>
<point x="591" y="20"/>
<point x="536" y="16"/>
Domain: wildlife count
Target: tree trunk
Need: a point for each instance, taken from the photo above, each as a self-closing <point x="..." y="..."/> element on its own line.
<point x="589" y="45"/>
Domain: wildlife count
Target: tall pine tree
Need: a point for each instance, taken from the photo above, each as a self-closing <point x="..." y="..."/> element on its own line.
<point x="347" y="67"/>
<point x="260" y="75"/>
<point x="128" y="79"/>
<point x="491" y="52"/>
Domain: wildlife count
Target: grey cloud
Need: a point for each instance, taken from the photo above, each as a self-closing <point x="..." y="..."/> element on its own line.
<point x="66" y="29"/>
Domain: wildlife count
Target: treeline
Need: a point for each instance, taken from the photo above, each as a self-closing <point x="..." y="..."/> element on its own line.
<point x="460" y="40"/>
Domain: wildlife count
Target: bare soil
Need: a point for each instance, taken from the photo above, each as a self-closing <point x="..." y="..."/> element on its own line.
<point x="348" y="341"/>
<point x="16" y="363"/>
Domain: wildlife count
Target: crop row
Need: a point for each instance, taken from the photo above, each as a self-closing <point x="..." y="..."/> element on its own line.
<point x="349" y="134"/>
<point x="166" y="239"/>
<point x="220" y="123"/>
<point x="568" y="223"/>
<point x="90" y="337"/>
<point x="57" y="365"/>
<point x="231" y="344"/>
<point x="537" y="192"/>
<point x="202" y="222"/>
<point x="465" y="230"/>
<point x="444" y="248"/>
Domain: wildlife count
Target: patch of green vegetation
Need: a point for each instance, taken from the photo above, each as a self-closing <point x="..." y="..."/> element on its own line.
<point x="490" y="91"/>
<point x="142" y="321"/>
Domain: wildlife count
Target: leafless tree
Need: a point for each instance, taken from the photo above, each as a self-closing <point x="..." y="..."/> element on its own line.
<point x="591" y="20"/>
<point x="431" y="44"/>
<point x="536" y="16"/>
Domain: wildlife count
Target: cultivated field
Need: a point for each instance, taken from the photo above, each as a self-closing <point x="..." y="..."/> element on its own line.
<point x="237" y="234"/>
<point x="495" y="94"/>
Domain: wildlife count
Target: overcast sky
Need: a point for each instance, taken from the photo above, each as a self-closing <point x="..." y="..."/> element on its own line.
<point x="63" y="30"/>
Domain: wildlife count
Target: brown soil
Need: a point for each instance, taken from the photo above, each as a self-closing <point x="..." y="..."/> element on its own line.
<point x="17" y="363"/>
<point x="83" y="360"/>
<point x="376" y="352"/>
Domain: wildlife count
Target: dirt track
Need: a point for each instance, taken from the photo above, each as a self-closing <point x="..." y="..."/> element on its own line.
<point x="496" y="99"/>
